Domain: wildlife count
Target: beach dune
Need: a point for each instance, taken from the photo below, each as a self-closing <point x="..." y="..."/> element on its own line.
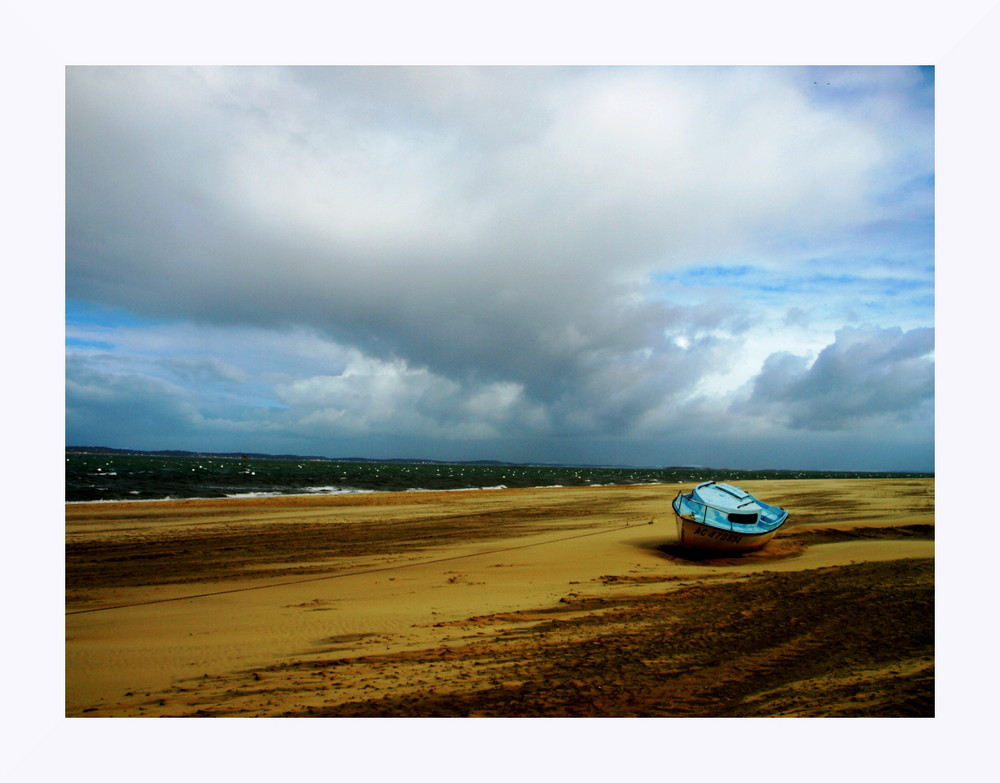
<point x="518" y="602"/>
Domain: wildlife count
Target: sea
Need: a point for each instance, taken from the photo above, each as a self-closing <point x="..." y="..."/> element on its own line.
<point x="95" y="478"/>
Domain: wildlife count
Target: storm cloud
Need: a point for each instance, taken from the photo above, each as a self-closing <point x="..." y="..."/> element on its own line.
<point x="866" y="375"/>
<point x="562" y="257"/>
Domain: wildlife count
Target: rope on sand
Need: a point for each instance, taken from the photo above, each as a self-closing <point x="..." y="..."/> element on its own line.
<point x="351" y="573"/>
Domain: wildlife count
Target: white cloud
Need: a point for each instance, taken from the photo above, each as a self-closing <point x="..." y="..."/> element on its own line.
<point x="372" y="396"/>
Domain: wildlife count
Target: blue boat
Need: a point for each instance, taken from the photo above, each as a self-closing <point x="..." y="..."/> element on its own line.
<point x="723" y="517"/>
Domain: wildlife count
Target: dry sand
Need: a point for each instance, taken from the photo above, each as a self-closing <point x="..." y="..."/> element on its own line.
<point x="539" y="602"/>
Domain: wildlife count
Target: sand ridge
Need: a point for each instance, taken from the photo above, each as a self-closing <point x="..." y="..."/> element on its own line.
<point x="484" y="603"/>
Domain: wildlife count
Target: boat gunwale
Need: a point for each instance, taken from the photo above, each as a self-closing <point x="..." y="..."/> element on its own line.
<point x="704" y="522"/>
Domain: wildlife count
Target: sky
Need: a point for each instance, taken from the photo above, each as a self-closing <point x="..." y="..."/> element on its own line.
<point x="720" y="266"/>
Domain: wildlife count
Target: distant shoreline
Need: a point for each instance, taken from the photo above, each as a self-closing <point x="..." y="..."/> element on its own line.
<point x="346" y="493"/>
<point x="98" y="451"/>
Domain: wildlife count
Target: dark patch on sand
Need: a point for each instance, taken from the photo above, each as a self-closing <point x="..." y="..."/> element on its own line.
<point x="792" y="543"/>
<point x="850" y="641"/>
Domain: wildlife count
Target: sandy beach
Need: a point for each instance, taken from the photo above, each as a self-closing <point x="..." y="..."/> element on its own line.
<point x="568" y="602"/>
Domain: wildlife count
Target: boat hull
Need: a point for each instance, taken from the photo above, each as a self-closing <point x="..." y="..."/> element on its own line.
<point x="694" y="535"/>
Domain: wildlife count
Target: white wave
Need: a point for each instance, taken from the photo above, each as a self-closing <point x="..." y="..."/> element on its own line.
<point x="462" y="489"/>
<point x="127" y="500"/>
<point x="336" y="490"/>
<point x="429" y="489"/>
<point x="453" y="489"/>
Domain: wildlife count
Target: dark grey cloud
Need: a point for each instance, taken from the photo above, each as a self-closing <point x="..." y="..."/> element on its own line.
<point x="112" y="407"/>
<point x="206" y="370"/>
<point x="866" y="375"/>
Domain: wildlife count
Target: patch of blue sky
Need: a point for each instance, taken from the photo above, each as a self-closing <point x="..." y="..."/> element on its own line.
<point x="919" y="266"/>
<point x="902" y="241"/>
<point x="897" y="286"/>
<point x="232" y="403"/>
<point x="779" y="288"/>
<point x="889" y="294"/>
<point x="850" y="85"/>
<point x="223" y="398"/>
<point x="824" y="281"/>
<point x="709" y="277"/>
<point x="845" y="289"/>
<point x="210" y="393"/>
<point x="716" y="272"/>
<point x="80" y="313"/>
<point x="250" y="392"/>
<point x="921" y="183"/>
<point x="755" y="280"/>
<point x="81" y="343"/>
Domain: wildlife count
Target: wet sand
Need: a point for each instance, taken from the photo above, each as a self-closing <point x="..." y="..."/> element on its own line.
<point x="569" y="602"/>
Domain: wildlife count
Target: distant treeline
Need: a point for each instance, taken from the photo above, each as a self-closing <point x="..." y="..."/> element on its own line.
<point x="258" y="455"/>
<point x="486" y="462"/>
